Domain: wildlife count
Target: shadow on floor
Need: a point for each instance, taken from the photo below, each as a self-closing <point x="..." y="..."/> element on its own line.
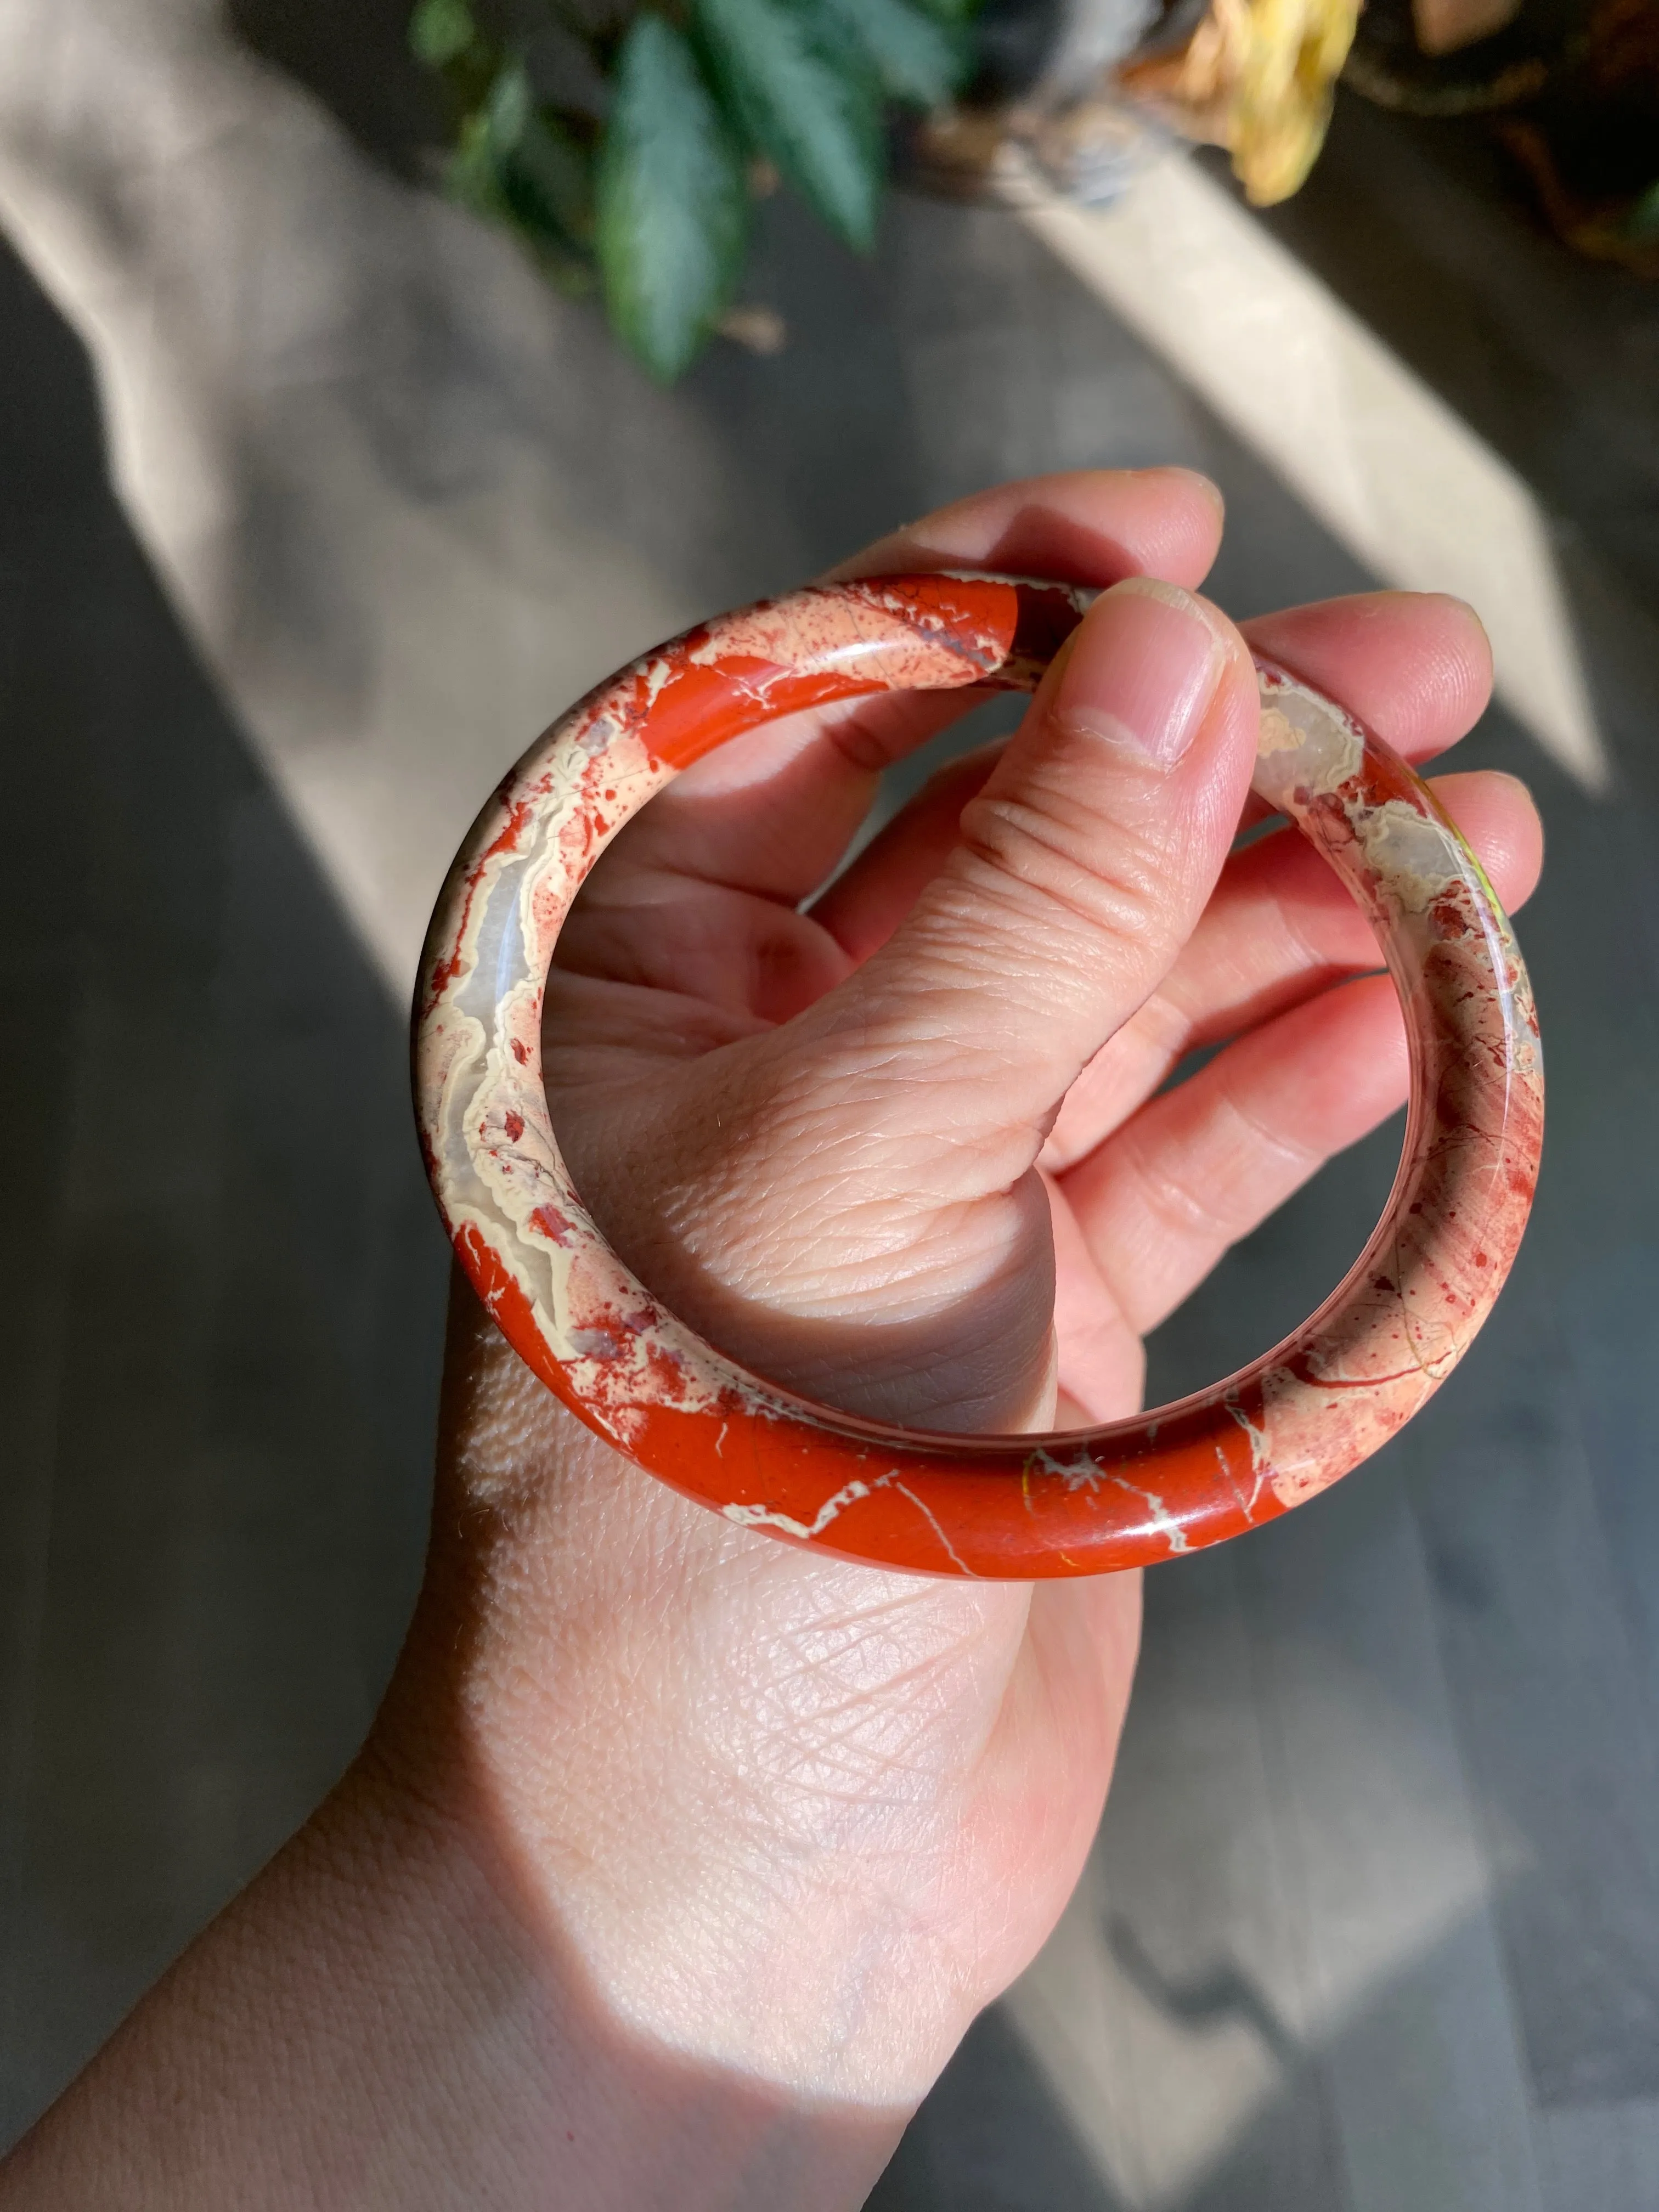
<point x="223" y="1299"/>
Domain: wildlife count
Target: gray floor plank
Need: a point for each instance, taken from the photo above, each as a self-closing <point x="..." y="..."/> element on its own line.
<point x="1600" y="2158"/>
<point x="217" y="1430"/>
<point x="1554" y="1717"/>
<point x="1389" y="1887"/>
<point x="1177" y="2007"/>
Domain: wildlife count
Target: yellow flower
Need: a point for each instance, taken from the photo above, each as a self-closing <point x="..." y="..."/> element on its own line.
<point x="1255" y="77"/>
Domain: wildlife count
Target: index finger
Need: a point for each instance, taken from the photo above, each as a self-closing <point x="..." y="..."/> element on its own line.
<point x="1415" y="667"/>
<point x="1090" y="527"/>
<point x="773" y="812"/>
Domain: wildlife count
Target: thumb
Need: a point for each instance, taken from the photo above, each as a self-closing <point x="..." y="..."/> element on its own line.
<point x="1081" y="870"/>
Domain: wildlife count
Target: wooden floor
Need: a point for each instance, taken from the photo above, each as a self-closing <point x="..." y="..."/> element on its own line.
<point x="1373" y="1921"/>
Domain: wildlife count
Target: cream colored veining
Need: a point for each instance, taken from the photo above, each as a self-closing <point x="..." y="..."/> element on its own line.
<point x="1422" y="860"/>
<point x="1302" y="744"/>
<point x="1277" y="732"/>
<point x="1077" y="1470"/>
<point x="1159" y="1517"/>
<point x="1261" y="1465"/>
<point x="861" y="639"/>
<point x="762" y="1517"/>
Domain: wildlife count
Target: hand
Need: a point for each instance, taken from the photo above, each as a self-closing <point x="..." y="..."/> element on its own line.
<point x="681" y="1858"/>
<point x="898" y="1145"/>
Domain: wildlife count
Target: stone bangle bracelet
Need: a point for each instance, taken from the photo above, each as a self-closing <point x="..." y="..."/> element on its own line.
<point x="1088" y="1501"/>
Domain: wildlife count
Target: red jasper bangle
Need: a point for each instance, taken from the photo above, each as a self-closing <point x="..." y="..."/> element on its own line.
<point x="1081" y="1503"/>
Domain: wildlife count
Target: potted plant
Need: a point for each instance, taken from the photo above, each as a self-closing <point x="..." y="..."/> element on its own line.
<point x="625" y="144"/>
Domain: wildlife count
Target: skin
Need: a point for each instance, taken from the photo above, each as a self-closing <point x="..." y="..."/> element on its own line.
<point x="679" y="1859"/>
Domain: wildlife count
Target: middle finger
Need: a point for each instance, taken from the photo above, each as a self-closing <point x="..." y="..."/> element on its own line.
<point x="1280" y="929"/>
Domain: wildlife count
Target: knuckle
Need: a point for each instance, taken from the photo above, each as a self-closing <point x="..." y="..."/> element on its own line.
<point x="1032" y="857"/>
<point x="1172" y="1200"/>
<point x="1280" y="1156"/>
<point x="1256" y="1168"/>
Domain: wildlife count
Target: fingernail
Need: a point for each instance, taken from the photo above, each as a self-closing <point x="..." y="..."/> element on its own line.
<point x="1142" y="668"/>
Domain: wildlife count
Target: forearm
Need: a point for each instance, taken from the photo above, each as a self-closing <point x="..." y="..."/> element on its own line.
<point x="679" y="1863"/>
<point x="372" y="2025"/>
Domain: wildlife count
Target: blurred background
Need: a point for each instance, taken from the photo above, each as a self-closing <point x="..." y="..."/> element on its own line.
<point x="324" y="484"/>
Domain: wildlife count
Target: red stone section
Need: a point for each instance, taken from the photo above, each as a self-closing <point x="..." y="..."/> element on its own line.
<point x="1167" y="1482"/>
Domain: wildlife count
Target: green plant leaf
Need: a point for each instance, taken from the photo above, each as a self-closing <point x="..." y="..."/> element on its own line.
<point x="918" y="58"/>
<point x="509" y="105"/>
<point x="959" y="13"/>
<point x="473" y="175"/>
<point x="541" y="177"/>
<point x="548" y="181"/>
<point x="440" y="30"/>
<point x="671" y="203"/>
<point x="805" y="93"/>
<point x="1642" y="221"/>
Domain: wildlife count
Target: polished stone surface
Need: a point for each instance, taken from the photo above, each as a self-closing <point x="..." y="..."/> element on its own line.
<point x="1255" y="1443"/>
<point x="1373" y="1925"/>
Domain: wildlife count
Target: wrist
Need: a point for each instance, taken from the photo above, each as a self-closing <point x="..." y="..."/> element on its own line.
<point x="544" y="2091"/>
<point x="374" y="2025"/>
<point x="733" y="1783"/>
<point x="700" y="1800"/>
